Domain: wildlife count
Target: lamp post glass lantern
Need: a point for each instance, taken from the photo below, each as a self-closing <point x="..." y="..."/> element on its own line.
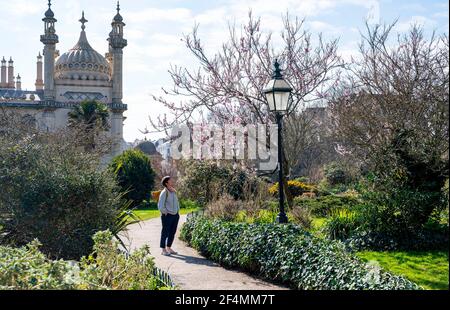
<point x="278" y="93"/>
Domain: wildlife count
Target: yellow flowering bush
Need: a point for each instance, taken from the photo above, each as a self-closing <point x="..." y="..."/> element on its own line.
<point x="155" y="195"/>
<point x="296" y="188"/>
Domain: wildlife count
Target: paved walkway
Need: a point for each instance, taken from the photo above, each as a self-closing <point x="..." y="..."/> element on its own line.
<point x="189" y="270"/>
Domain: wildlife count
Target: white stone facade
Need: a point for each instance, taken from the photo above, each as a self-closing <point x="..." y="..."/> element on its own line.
<point x="65" y="81"/>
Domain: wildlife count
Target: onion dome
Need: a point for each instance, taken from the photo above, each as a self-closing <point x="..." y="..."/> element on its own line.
<point x="49" y="13"/>
<point x="82" y="62"/>
<point x="118" y="17"/>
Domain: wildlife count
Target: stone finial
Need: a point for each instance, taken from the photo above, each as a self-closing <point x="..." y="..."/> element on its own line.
<point x="118" y="18"/>
<point x="83" y="21"/>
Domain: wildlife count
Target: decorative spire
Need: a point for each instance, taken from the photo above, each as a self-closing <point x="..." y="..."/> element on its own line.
<point x="83" y="21"/>
<point x="118" y="18"/>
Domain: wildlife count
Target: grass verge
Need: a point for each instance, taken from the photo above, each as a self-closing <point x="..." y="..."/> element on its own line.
<point x="147" y="214"/>
<point x="429" y="269"/>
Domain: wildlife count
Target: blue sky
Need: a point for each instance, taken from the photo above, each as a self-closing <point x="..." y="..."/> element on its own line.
<point x="154" y="30"/>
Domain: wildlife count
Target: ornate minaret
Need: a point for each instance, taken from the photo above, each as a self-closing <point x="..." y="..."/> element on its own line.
<point x="3" y="83"/>
<point x="49" y="38"/>
<point x="39" y="80"/>
<point x="116" y="45"/>
<point x="18" y="82"/>
<point x="11" y="83"/>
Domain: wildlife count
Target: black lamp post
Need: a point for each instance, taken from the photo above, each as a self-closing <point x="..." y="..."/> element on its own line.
<point x="278" y="94"/>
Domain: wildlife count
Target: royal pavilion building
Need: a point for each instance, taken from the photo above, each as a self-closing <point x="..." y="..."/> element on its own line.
<point x="62" y="82"/>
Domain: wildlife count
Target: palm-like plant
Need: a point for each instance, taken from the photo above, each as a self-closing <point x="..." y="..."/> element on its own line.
<point x="93" y="117"/>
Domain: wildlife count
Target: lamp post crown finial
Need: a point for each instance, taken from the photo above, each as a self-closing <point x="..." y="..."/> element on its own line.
<point x="277" y="70"/>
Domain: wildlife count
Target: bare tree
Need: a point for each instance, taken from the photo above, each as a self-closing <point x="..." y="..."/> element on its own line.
<point x="309" y="142"/>
<point x="394" y="88"/>
<point x="228" y="86"/>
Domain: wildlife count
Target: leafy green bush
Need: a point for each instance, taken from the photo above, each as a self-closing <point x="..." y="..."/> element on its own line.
<point x="324" y="205"/>
<point x="204" y="181"/>
<point x="134" y="174"/>
<point x="107" y="268"/>
<point x="55" y="192"/>
<point x="399" y="211"/>
<point x="27" y="268"/>
<point x="287" y="254"/>
<point x="341" y="224"/>
<point x="336" y="173"/>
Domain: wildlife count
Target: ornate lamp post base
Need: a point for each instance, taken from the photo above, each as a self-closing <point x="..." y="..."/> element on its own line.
<point x="282" y="218"/>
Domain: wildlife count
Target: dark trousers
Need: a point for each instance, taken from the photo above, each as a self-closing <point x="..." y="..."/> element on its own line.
<point x="169" y="228"/>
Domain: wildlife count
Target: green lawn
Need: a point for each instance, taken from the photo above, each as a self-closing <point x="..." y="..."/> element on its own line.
<point x="146" y="214"/>
<point x="428" y="269"/>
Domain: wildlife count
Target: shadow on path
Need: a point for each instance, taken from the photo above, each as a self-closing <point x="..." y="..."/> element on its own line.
<point x="194" y="260"/>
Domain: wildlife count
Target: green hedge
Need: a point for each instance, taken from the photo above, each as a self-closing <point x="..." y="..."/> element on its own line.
<point x="286" y="254"/>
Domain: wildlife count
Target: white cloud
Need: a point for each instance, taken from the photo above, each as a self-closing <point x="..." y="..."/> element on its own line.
<point x="158" y="15"/>
<point x="415" y="20"/>
<point x="21" y="7"/>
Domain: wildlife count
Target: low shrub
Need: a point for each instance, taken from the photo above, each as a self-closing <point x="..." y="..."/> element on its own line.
<point x="204" y="181"/>
<point x="302" y="217"/>
<point x="341" y="224"/>
<point x="286" y="254"/>
<point x="53" y="191"/>
<point x="27" y="268"/>
<point x="266" y="216"/>
<point x="400" y="209"/>
<point x="155" y="195"/>
<point x="296" y="188"/>
<point x="107" y="268"/>
<point x="323" y="205"/>
<point x="262" y="216"/>
<point x="337" y="173"/>
<point x="309" y="195"/>
<point x="226" y="208"/>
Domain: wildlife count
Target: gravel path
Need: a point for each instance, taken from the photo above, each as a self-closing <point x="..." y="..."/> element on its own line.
<point x="189" y="270"/>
